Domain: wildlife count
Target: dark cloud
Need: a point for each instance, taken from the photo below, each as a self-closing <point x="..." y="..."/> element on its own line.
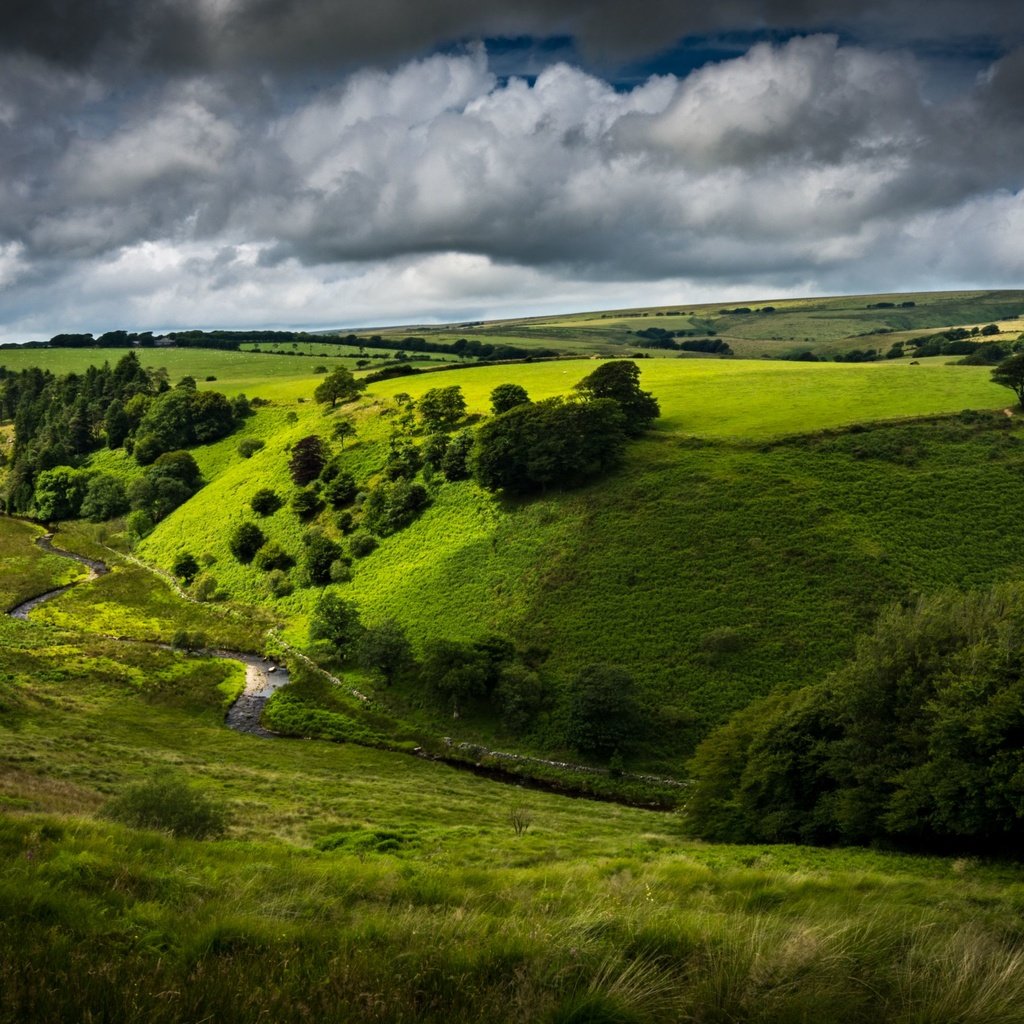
<point x="218" y="34"/>
<point x="435" y="186"/>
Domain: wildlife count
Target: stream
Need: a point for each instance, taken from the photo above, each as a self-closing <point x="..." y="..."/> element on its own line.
<point x="262" y="676"/>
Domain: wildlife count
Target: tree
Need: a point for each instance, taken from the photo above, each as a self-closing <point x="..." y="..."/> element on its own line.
<point x="116" y="424"/>
<point x="341" y="490"/>
<point x="272" y="556"/>
<point x="60" y="493"/>
<point x="508" y="396"/>
<point x="185" y="567"/>
<point x="1010" y="374"/>
<point x="105" y="497"/>
<point x="245" y="540"/>
<point x="603" y="709"/>
<point x="309" y="456"/>
<point x="265" y="502"/>
<point x="442" y="408"/>
<point x="337" y="621"/>
<point x="343" y="429"/>
<point x="455" y="461"/>
<point x="385" y="648"/>
<point x="619" y="380"/>
<point x="338" y="385"/>
<point x="321" y="553"/>
<point x="553" y="443"/>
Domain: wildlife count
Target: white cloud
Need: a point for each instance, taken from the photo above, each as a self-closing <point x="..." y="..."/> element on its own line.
<point x="438" y="190"/>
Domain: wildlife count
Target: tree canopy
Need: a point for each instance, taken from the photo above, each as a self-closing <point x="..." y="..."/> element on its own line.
<point x="338" y="386"/>
<point x="1010" y="373"/>
<point x="619" y="380"/>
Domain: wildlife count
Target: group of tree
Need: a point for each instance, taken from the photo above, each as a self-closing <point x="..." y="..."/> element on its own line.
<point x="491" y="675"/>
<point x="917" y="741"/>
<point x="59" y="420"/>
<point x="563" y="442"/>
<point x="660" y="338"/>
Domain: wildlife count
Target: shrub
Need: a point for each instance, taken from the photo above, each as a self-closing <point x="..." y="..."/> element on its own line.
<point x="185" y="567"/>
<point x="272" y="556"/>
<point x="265" y="502"/>
<point x="305" y="504"/>
<point x="278" y="583"/>
<point x="361" y="543"/>
<point x="340" y="490"/>
<point x="205" y="588"/>
<point x="170" y="805"/>
<point x="249" y="446"/>
<point x="137" y="525"/>
<point x="391" y="506"/>
<point x="245" y="540"/>
<point x="321" y="552"/>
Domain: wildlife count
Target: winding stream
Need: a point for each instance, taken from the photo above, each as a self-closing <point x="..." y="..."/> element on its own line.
<point x="262" y="676"/>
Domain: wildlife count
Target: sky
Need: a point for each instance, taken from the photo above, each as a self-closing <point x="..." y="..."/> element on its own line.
<point x="321" y="163"/>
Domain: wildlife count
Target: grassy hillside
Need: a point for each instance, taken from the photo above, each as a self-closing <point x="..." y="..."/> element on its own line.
<point x="824" y="325"/>
<point x="720" y="562"/>
<point x="355" y="884"/>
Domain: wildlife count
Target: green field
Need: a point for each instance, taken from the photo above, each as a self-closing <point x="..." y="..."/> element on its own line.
<point x="713" y="567"/>
<point x="744" y="545"/>
<point x="363" y="885"/>
<point x="823" y="325"/>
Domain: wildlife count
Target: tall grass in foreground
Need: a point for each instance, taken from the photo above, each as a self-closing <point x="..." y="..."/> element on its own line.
<point x="104" y="924"/>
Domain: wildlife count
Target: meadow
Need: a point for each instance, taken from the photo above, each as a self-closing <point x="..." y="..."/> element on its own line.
<point x="743" y="546"/>
<point x="336" y="895"/>
<point x="720" y="562"/>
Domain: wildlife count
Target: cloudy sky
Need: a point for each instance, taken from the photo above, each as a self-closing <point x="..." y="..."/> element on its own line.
<point x="317" y="163"/>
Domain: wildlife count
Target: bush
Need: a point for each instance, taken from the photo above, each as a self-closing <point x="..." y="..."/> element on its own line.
<point x="265" y="502"/>
<point x="340" y="490"/>
<point x="185" y="567"/>
<point x="245" y="540"/>
<point x="272" y="556"/>
<point x="279" y="584"/>
<point x="137" y="525"/>
<point x="169" y="805"/>
<point x="205" y="588"/>
<point x="361" y="543"/>
<point x="320" y="554"/>
<point x="305" y="504"/>
<point x="391" y="506"/>
<point x="249" y="446"/>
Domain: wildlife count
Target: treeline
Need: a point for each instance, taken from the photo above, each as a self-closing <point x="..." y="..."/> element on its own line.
<point x="59" y="420"/>
<point x="660" y="338"/>
<point x="917" y="742"/>
<point x="958" y="341"/>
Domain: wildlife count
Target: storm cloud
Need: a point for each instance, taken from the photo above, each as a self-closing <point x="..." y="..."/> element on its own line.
<point x="175" y="164"/>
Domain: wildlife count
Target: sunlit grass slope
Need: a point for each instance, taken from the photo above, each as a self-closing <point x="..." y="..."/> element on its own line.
<point x="717" y="564"/>
<point x="27" y="569"/>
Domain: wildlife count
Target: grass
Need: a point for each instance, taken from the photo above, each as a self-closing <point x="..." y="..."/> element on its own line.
<point x="337" y="895"/>
<point x="28" y="570"/>
<point x="719" y="563"/>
